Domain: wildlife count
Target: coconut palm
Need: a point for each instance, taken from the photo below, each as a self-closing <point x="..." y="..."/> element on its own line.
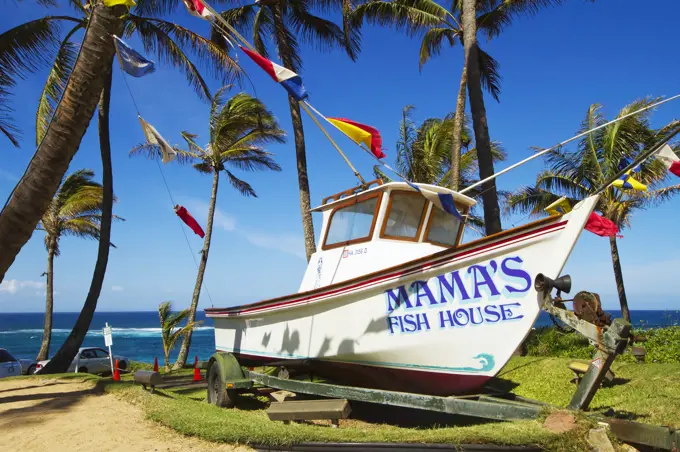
<point x="74" y="211"/>
<point x="423" y="154"/>
<point x="239" y="127"/>
<point x="575" y="174"/>
<point x="171" y="331"/>
<point x="60" y="126"/>
<point x="438" y="26"/>
<point x="283" y="23"/>
<point x="78" y="75"/>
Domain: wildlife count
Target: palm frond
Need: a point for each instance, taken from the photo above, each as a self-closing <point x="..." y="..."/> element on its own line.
<point x="379" y="174"/>
<point x="352" y="34"/>
<point x="252" y="160"/>
<point x="263" y="27"/>
<point x="153" y="152"/>
<point x="170" y="42"/>
<point x="493" y="22"/>
<point x="432" y="42"/>
<point x="156" y="7"/>
<point x="529" y="200"/>
<point x="241" y="186"/>
<point x="56" y="83"/>
<point x="203" y="167"/>
<point x="241" y="18"/>
<point x="313" y="30"/>
<point x="490" y="74"/>
<point x="400" y="14"/>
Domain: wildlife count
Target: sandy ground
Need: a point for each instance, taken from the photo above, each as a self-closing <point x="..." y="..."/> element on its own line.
<point x="56" y="415"/>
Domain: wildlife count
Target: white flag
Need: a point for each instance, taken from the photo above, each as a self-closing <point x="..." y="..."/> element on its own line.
<point x="153" y="137"/>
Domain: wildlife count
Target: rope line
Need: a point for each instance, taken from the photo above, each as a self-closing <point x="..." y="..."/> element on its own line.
<point x="167" y="188"/>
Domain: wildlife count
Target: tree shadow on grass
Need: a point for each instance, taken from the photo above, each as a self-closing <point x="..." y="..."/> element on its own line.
<point x="23" y="388"/>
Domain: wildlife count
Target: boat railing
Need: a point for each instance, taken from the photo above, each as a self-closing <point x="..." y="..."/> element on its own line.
<point x="352" y="191"/>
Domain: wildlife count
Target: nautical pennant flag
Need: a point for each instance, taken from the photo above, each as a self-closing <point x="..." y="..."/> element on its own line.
<point x="198" y="9"/>
<point x="189" y="220"/>
<point x="361" y="133"/>
<point x="443" y="201"/>
<point x="285" y="77"/>
<point x="626" y="182"/>
<point x="669" y="159"/>
<point x="559" y="207"/>
<point x="601" y="226"/>
<point x="132" y="62"/>
<point x="112" y="3"/>
<point x="153" y="137"/>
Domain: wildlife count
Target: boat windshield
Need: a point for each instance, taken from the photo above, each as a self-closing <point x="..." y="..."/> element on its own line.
<point x="352" y="223"/>
<point x="404" y="217"/>
<point x="443" y="228"/>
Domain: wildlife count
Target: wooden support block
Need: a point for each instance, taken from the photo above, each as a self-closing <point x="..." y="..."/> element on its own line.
<point x="580" y="368"/>
<point x="307" y="410"/>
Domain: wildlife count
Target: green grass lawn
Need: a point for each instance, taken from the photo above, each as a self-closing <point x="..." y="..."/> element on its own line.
<point x="648" y="393"/>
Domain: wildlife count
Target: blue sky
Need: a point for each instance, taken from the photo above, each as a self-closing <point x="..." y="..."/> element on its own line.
<point x="554" y="66"/>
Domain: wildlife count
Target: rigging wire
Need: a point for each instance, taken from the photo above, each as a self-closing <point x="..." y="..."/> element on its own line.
<point x="167" y="188"/>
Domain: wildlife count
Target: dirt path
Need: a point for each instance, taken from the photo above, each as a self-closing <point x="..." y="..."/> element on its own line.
<point x="37" y="414"/>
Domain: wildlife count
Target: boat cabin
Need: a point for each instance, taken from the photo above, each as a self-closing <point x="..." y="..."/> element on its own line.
<point x="379" y="225"/>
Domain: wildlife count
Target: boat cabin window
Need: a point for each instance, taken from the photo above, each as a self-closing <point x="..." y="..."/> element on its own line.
<point x="353" y="222"/>
<point x="443" y="228"/>
<point x="404" y="216"/>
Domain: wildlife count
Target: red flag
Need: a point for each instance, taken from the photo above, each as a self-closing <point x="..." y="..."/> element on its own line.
<point x="675" y="168"/>
<point x="189" y="220"/>
<point x="601" y="226"/>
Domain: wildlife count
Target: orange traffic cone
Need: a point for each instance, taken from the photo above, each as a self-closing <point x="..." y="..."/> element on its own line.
<point x="197" y="371"/>
<point x="155" y="364"/>
<point x="116" y="372"/>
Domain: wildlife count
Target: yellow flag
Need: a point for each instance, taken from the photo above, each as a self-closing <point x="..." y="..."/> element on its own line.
<point x="626" y="182"/>
<point x="111" y="3"/>
<point x="559" y="207"/>
<point x="355" y="133"/>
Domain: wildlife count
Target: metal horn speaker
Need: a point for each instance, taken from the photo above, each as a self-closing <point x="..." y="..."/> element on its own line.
<point x="544" y="284"/>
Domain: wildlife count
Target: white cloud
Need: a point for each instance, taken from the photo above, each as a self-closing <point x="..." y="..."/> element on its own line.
<point x="287" y="243"/>
<point x="117" y="288"/>
<point x="13" y="286"/>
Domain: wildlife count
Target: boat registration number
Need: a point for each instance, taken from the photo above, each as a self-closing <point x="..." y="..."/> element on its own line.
<point x="355" y="252"/>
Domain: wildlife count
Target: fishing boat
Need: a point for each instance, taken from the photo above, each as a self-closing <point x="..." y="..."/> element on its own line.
<point x="395" y="299"/>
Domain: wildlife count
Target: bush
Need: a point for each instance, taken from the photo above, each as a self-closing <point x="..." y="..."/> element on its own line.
<point x="662" y="345"/>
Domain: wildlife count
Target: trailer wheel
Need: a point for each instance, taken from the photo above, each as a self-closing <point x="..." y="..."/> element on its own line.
<point x="218" y="394"/>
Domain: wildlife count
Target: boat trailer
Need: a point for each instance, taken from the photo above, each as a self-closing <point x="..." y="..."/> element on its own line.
<point x="227" y="377"/>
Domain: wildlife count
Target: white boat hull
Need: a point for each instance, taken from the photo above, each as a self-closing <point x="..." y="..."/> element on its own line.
<point x="440" y="325"/>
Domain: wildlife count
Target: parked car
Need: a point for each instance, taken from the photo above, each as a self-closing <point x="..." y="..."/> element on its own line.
<point x="28" y="366"/>
<point x="9" y="365"/>
<point x="93" y="360"/>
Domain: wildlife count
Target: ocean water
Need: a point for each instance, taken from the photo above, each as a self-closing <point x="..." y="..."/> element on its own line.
<point x="137" y="335"/>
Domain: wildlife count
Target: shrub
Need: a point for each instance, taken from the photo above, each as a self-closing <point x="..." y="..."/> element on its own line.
<point x="662" y="345"/>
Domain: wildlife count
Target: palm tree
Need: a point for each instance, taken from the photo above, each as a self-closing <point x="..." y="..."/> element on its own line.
<point x="284" y="22"/>
<point x="171" y="332"/>
<point x="439" y="25"/>
<point x="77" y="76"/>
<point x="74" y="211"/>
<point x="171" y="43"/>
<point x="239" y="127"/>
<point x="423" y="153"/>
<point x="575" y="174"/>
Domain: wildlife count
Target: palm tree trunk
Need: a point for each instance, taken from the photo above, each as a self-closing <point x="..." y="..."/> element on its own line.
<point x="186" y="343"/>
<point x="300" y="152"/>
<point x="49" y="303"/>
<point x="618" y="275"/>
<point x="492" y="211"/>
<point x="64" y="356"/>
<point x="458" y="131"/>
<point x="36" y="189"/>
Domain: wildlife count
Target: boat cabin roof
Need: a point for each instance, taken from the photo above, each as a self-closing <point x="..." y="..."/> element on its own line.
<point x="377" y="186"/>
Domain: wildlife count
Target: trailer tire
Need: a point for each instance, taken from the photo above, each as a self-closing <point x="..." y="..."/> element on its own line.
<point x="218" y="394"/>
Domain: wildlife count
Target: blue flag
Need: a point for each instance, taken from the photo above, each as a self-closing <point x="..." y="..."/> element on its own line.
<point x="132" y="62"/>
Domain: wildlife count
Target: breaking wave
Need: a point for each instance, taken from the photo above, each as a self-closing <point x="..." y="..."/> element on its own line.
<point x="117" y="332"/>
